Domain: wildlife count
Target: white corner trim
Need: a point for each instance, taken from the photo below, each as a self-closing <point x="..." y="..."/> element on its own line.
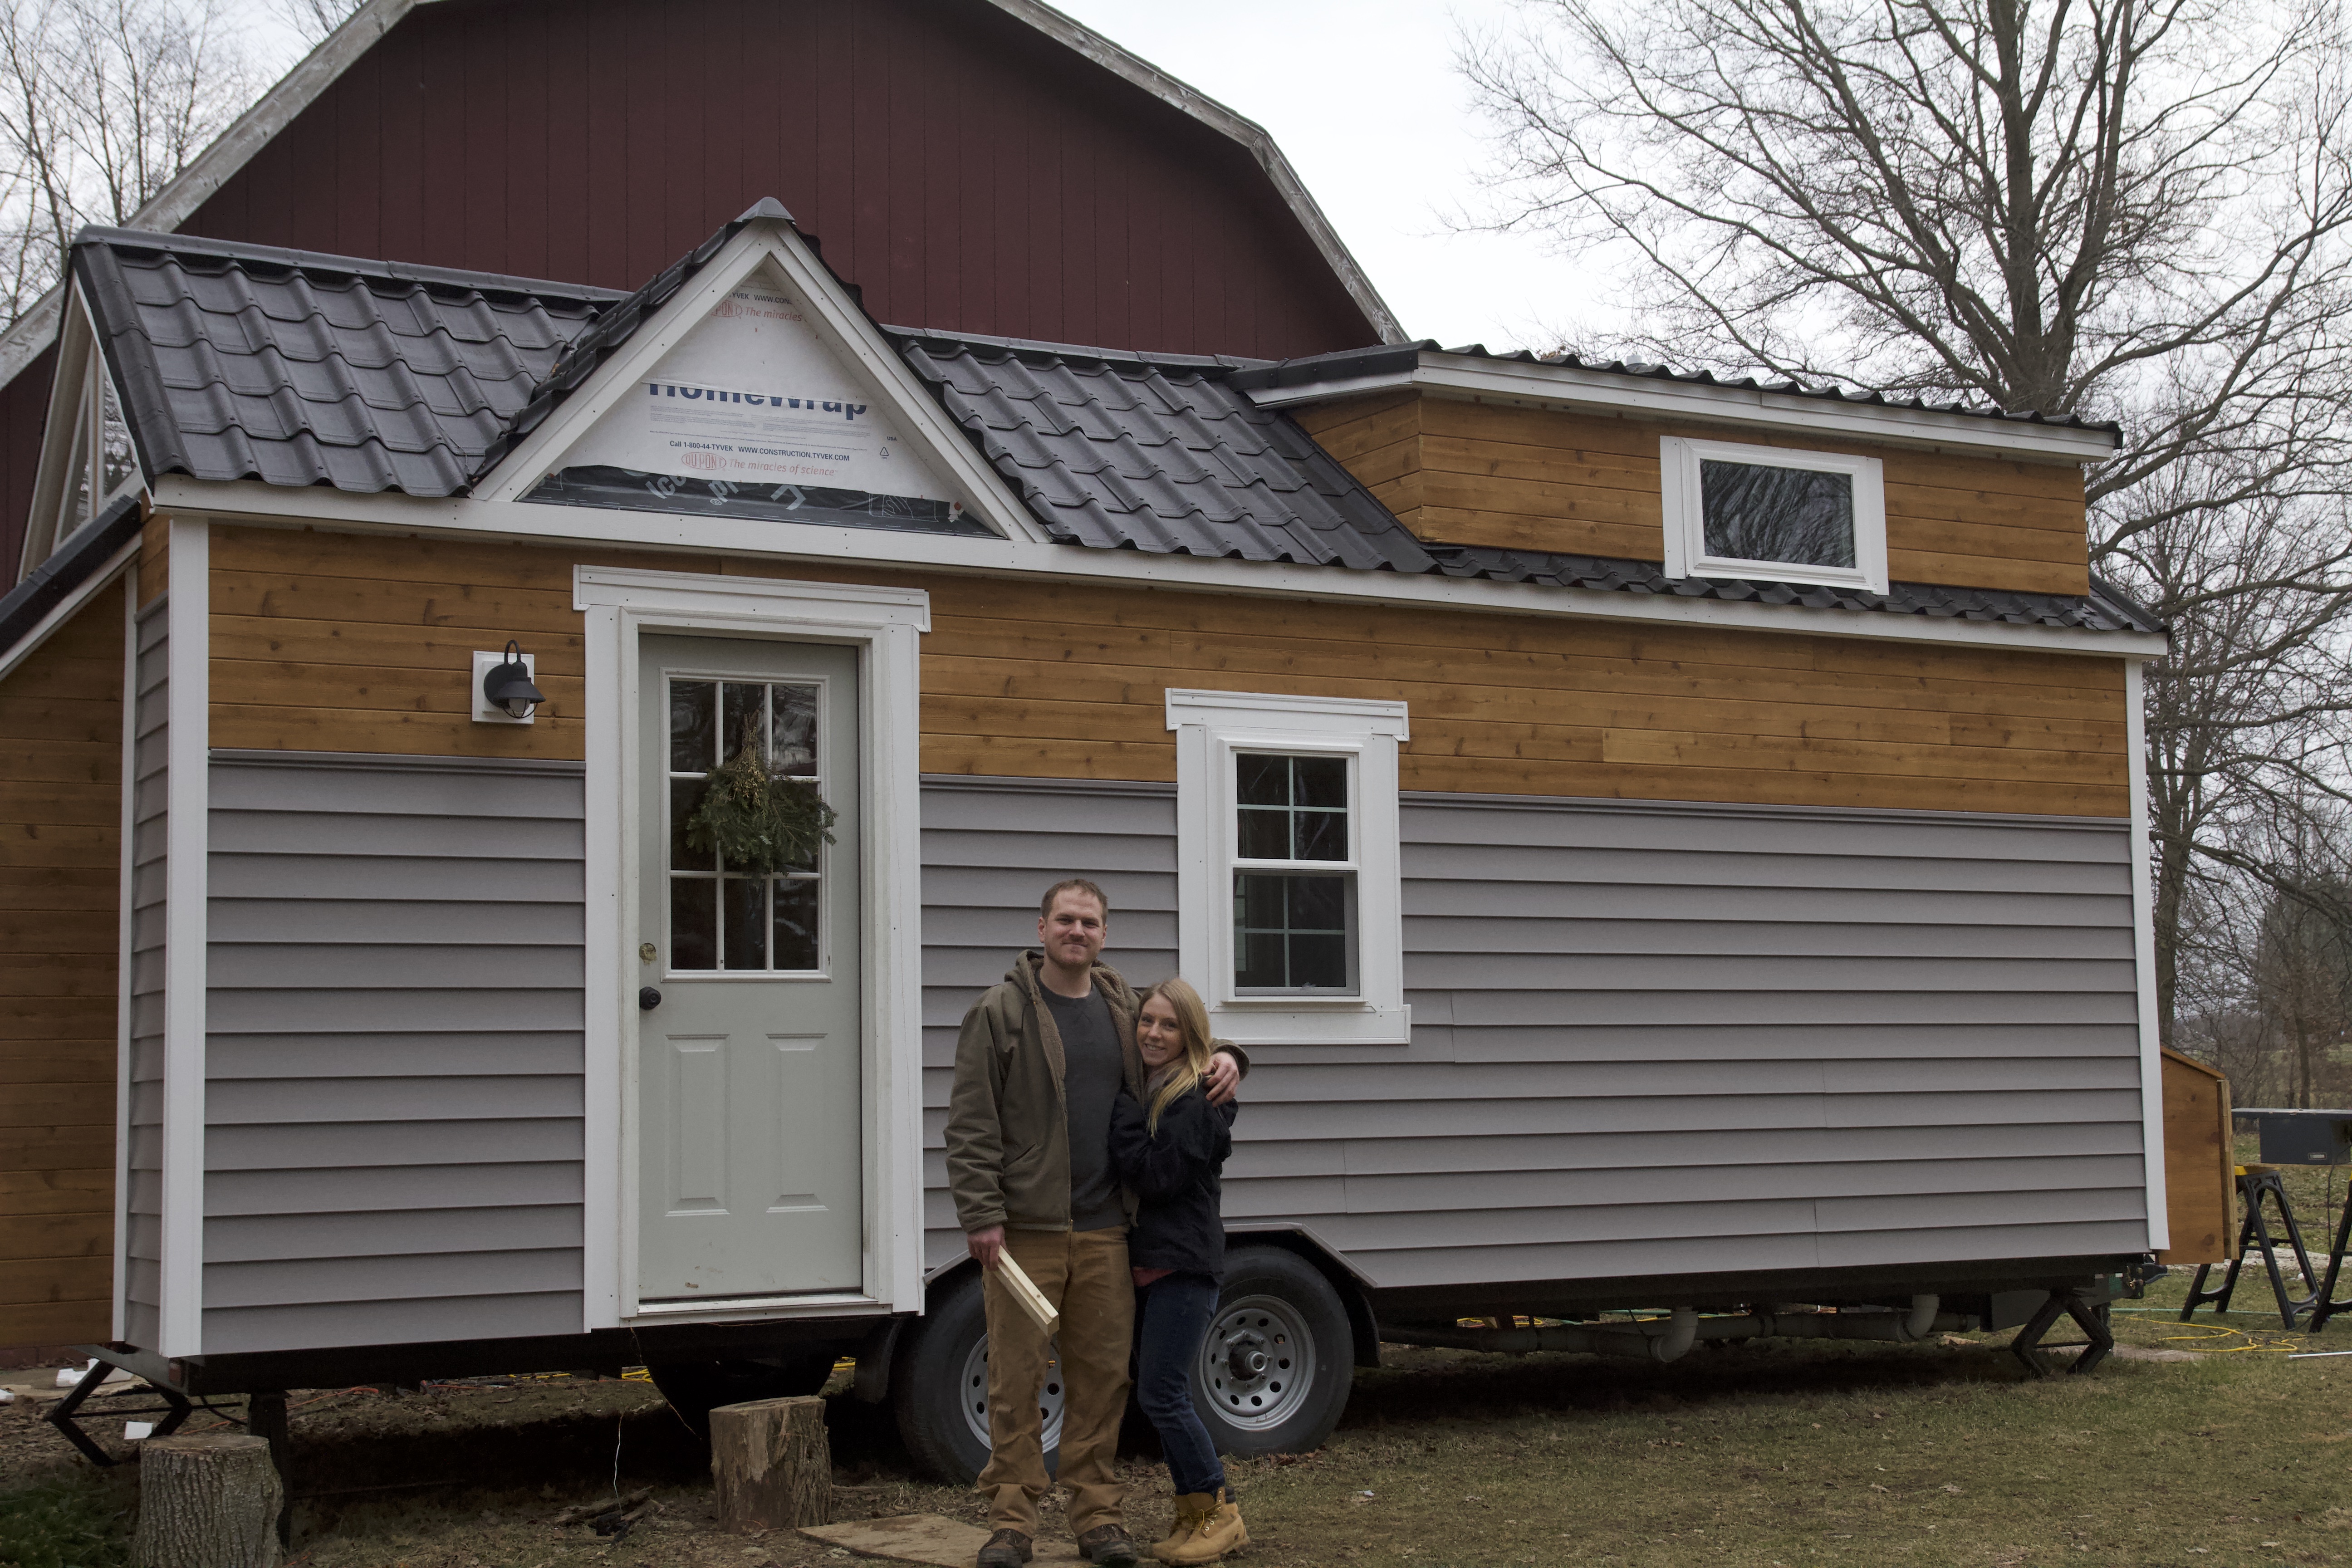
<point x="1683" y="495"/>
<point x="837" y="322"/>
<point x="1210" y="727"/>
<point x="2151" y="1054"/>
<point x="187" y="837"/>
<point x="125" y="859"/>
<point x="886" y="625"/>
<point x="461" y="517"/>
<point x="1581" y="389"/>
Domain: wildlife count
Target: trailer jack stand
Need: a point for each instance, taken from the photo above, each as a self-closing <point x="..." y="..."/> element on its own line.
<point x="175" y="1409"/>
<point x="2096" y="1342"/>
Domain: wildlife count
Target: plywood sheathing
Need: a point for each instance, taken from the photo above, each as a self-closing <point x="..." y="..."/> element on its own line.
<point x="353" y="643"/>
<point x="2200" y="1167"/>
<point x="1525" y="479"/>
<point x="60" y="831"/>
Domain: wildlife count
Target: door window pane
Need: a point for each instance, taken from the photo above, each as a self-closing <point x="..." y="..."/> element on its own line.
<point x="793" y="725"/>
<point x="1755" y="511"/>
<point x="734" y="921"/>
<point x="693" y="726"/>
<point x="745" y="910"/>
<point x="797" y="946"/>
<point x="693" y="922"/>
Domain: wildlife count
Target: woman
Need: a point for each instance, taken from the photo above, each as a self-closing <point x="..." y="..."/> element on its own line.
<point x="1170" y="1149"/>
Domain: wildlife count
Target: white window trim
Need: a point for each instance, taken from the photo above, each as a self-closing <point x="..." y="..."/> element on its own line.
<point x="1678" y="476"/>
<point x="1210" y="727"/>
<point x="885" y="626"/>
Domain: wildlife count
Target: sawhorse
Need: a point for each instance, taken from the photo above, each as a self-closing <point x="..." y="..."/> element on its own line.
<point x="2256" y="1183"/>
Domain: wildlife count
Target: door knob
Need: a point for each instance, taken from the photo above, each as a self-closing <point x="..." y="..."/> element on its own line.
<point x="647" y="999"/>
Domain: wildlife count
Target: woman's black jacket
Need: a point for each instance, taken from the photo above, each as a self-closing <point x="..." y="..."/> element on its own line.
<point x="1180" y="1223"/>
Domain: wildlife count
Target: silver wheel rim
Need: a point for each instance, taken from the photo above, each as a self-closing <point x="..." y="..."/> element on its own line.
<point x="972" y="1391"/>
<point x="1257" y="1366"/>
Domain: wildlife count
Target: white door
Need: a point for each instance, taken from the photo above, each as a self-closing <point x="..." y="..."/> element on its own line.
<point x="750" y="1172"/>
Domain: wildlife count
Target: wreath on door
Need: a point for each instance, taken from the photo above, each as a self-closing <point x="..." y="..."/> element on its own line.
<point x="757" y="821"/>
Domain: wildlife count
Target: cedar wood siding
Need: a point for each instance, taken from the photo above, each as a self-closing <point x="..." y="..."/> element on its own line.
<point x="347" y="643"/>
<point x="965" y="172"/>
<point x="60" y="831"/>
<point x="1647" y="1040"/>
<point x="1529" y="478"/>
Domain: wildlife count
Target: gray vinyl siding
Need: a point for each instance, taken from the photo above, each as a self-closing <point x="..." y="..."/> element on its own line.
<point x="393" y="1057"/>
<point x="1647" y="1039"/>
<point x="143" y="1197"/>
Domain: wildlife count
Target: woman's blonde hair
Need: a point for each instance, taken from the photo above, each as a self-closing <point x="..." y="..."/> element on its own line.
<point x="1193" y="1027"/>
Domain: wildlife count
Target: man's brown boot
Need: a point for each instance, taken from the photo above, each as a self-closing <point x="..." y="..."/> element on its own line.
<point x="1006" y="1549"/>
<point x="1109" y="1546"/>
<point x="1208" y="1525"/>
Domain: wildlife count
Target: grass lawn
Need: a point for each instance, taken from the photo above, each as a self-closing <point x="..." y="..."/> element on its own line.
<point x="1792" y="1453"/>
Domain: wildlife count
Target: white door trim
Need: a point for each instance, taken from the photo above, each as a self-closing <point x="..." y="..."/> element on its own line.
<point x="885" y="626"/>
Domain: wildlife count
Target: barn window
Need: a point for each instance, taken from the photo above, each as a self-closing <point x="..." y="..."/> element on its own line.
<point x="1289" y="913"/>
<point x="1773" y="514"/>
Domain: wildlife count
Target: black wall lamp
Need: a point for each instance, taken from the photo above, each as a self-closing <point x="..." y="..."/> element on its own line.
<point x="504" y="692"/>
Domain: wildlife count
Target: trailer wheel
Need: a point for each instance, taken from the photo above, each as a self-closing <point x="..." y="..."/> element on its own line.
<point x="696" y="1388"/>
<point x="938" y="1388"/>
<point x="1274" y="1373"/>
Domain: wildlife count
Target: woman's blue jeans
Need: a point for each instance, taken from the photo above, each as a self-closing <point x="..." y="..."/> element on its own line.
<point x="1175" y="1313"/>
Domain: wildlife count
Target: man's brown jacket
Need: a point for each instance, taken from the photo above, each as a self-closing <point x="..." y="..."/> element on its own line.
<point x="1008" y="1132"/>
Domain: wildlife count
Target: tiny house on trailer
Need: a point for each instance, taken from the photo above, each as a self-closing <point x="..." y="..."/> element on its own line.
<point x="1663" y="842"/>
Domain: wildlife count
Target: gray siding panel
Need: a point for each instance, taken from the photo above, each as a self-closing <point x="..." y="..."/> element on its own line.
<point x="393" y="1111"/>
<point x="143" y="1205"/>
<point x="1648" y="1039"/>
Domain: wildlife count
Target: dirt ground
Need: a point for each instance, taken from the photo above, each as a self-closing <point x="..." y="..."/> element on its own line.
<point x="1788" y="1453"/>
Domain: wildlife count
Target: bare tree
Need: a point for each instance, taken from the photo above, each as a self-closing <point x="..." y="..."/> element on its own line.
<point x="102" y="104"/>
<point x="312" y="20"/>
<point x="2129" y="209"/>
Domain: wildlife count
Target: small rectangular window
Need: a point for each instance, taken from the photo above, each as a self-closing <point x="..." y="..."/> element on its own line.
<point x="723" y="917"/>
<point x="1294" y="884"/>
<point x="1773" y="514"/>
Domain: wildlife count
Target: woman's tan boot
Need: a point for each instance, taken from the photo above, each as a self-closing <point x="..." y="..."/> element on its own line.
<point x="1208" y="1525"/>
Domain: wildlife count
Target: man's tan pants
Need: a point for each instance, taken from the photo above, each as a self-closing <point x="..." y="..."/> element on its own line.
<point x="1085" y="1275"/>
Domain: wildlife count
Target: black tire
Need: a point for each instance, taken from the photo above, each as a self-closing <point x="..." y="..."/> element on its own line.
<point x="933" y="1382"/>
<point x="696" y="1388"/>
<point x="1279" y="1306"/>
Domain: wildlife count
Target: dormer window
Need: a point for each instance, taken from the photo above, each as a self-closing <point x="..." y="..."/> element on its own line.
<point x="87" y="456"/>
<point x="1772" y="513"/>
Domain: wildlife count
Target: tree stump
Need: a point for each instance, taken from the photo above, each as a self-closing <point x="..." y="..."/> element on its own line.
<point x="772" y="1463"/>
<point x="207" y="1502"/>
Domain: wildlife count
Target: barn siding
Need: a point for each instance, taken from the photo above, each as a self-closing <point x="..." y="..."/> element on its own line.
<point x="393" y="1096"/>
<point x="1647" y="1040"/>
<point x="142" y="1242"/>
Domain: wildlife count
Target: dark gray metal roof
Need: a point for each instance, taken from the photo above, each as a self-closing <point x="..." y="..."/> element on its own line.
<point x="247" y="362"/>
<point x="251" y="363"/>
<point x="1390" y="359"/>
<point x="1163" y="454"/>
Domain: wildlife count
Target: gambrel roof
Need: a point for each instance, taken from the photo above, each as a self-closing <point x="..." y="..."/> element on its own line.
<point x="243" y="362"/>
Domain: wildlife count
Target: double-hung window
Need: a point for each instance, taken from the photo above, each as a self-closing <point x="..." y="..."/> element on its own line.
<point x="1773" y="514"/>
<point x="1289" y="918"/>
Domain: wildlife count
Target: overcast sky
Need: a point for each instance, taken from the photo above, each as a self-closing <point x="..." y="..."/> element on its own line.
<point x="1363" y="97"/>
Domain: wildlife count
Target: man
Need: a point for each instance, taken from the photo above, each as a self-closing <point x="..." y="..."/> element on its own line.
<point x="1041" y="1059"/>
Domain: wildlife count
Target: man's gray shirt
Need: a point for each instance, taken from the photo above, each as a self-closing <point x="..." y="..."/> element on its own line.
<point x="1091" y="1076"/>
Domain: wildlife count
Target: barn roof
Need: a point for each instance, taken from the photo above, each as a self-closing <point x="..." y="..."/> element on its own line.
<point x="245" y="363"/>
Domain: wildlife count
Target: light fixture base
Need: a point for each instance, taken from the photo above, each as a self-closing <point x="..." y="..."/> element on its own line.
<point x="487" y="712"/>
